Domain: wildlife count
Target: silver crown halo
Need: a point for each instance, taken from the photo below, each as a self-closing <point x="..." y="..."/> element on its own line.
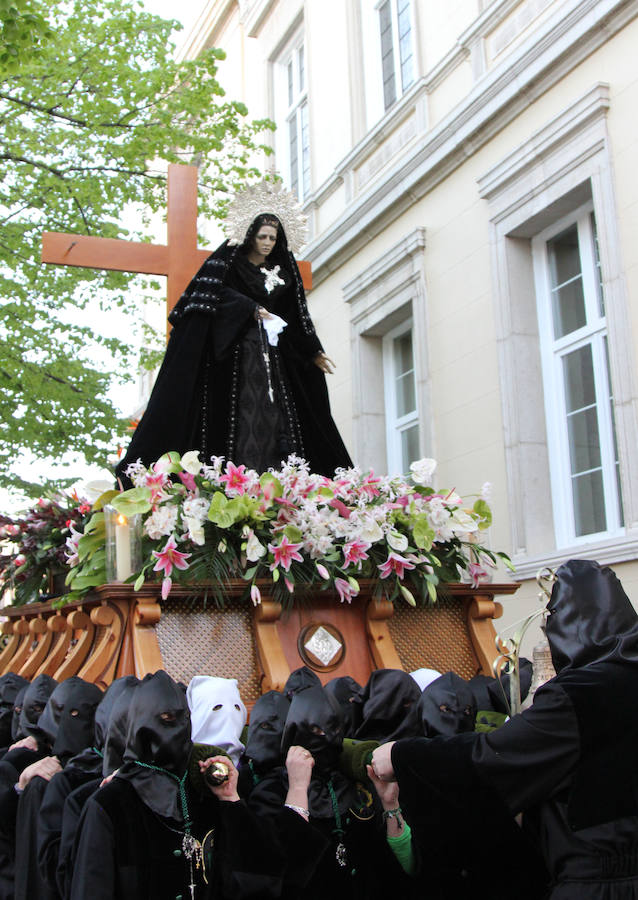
<point x="266" y="197"/>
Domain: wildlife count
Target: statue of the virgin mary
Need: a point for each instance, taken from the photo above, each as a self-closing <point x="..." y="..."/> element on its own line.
<point x="244" y="372"/>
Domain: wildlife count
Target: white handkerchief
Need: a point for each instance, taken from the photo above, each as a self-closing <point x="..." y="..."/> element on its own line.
<point x="274" y="326"/>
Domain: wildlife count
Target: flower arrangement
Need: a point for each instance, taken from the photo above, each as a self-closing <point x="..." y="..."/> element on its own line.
<point x="35" y="546"/>
<point x="290" y="528"/>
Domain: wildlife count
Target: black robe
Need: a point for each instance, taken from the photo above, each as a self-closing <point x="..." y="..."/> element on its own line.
<point x="568" y="762"/>
<point x="211" y="394"/>
<point x="127" y="852"/>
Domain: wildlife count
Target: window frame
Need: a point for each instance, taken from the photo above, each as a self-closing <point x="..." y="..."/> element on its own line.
<point x="554" y="350"/>
<point x="398" y="61"/>
<point x="396" y="425"/>
<point x="291" y="108"/>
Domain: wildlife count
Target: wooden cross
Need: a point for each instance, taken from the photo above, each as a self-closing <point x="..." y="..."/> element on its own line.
<point x="178" y="259"/>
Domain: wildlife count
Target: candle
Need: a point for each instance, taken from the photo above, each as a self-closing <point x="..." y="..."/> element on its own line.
<point x="123" y="566"/>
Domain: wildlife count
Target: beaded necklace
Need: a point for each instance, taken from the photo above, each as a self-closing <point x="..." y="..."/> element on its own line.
<point x="340" y="854"/>
<point x="191" y="847"/>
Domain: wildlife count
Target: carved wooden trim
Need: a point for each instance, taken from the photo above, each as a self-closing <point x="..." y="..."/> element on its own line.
<point x="100" y="666"/>
<point x="148" y="656"/>
<point x="62" y="634"/>
<point x="11" y="647"/>
<point x="480" y="611"/>
<point x="38" y="628"/>
<point x="382" y="648"/>
<point x="21" y="628"/>
<point x="270" y="654"/>
<point x="77" y="656"/>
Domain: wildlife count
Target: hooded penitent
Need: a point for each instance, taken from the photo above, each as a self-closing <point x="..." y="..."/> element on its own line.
<point x="423" y="677"/>
<point x="347" y="692"/>
<point x="446" y="706"/>
<point x="315" y="722"/>
<point x="591" y="619"/>
<point x="91" y="759"/>
<point x="76" y="722"/>
<point x="35" y="700"/>
<point x="158" y="744"/>
<point x="117" y="726"/>
<point x="10" y="686"/>
<point x="299" y="680"/>
<point x="267" y="721"/>
<point x="388" y="706"/>
<point x="218" y="714"/>
<point x="17" y="712"/>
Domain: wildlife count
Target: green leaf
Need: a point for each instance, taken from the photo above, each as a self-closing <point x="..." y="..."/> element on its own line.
<point x="484" y="513"/>
<point x="293" y="533"/>
<point x="422" y="532"/>
<point x="134" y="502"/>
<point x="269" y="480"/>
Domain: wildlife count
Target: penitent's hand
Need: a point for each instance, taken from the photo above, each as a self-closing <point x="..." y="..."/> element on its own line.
<point x="262" y="313"/>
<point x="388" y="791"/>
<point x="29" y="742"/>
<point x="46" y="768"/>
<point x="382" y="762"/>
<point x="299" y="765"/>
<point x="324" y="363"/>
<point x="228" y="790"/>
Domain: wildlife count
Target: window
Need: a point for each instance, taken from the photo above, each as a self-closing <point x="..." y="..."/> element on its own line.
<point x="293" y="122"/>
<point x="401" y="411"/>
<point x="397" y="55"/>
<point x="583" y="454"/>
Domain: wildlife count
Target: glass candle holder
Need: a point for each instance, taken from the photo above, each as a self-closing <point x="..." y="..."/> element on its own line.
<point x="123" y="544"/>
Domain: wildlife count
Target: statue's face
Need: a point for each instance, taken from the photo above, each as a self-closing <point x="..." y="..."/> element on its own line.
<point x="265" y="239"/>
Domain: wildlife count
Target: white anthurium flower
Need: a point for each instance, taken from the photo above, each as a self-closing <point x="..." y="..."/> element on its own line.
<point x="462" y="521"/>
<point x="94" y="489"/>
<point x="370" y="531"/>
<point x="196" y="531"/>
<point x="191" y="462"/>
<point x="422" y="471"/>
<point x="397" y="541"/>
<point x="454" y="499"/>
<point x="254" y="548"/>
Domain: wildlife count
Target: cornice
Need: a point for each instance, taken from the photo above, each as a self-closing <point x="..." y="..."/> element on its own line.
<point x="576" y="30"/>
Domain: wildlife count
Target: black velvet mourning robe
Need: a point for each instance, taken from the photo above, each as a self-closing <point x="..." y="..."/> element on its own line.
<point x="568" y="762"/>
<point x="211" y="393"/>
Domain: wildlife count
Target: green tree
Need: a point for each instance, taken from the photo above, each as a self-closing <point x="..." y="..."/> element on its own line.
<point x="83" y="123"/>
<point x="23" y="28"/>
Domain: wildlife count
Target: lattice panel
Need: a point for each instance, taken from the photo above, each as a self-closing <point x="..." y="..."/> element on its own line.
<point x="211" y="641"/>
<point x="434" y="637"/>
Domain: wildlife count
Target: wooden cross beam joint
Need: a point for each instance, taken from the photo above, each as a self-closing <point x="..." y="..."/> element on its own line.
<point x="178" y="260"/>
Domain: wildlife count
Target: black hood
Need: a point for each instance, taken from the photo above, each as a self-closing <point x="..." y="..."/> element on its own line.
<point x="103" y="712"/>
<point x="35" y="702"/>
<point x="16" y="734"/>
<point x="267" y="720"/>
<point x="159" y="735"/>
<point x="10" y="686"/>
<point x="117" y="726"/>
<point x="447" y="707"/>
<point x="590" y="619"/>
<point x="388" y="706"/>
<point x="315" y="721"/>
<point x="347" y="693"/>
<point x="76" y="722"/>
<point x="300" y="680"/>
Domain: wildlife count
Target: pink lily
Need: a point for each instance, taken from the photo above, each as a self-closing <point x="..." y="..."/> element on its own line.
<point x="340" y="507"/>
<point x="354" y="552"/>
<point x="188" y="481"/>
<point x="478" y="574"/>
<point x="235" y="478"/>
<point x="285" y="552"/>
<point x="170" y="557"/>
<point x="368" y="485"/>
<point x="395" y="563"/>
<point x="345" y="590"/>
